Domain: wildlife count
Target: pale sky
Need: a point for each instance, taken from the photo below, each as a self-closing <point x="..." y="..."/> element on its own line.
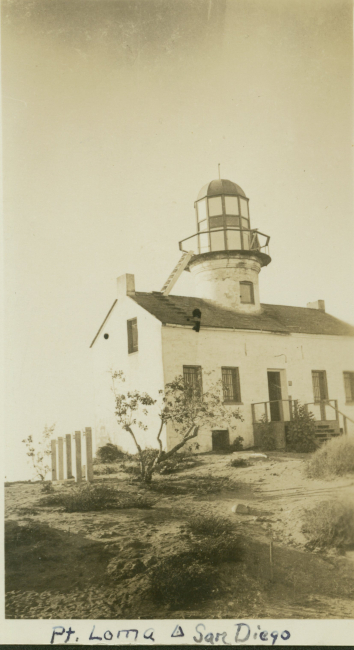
<point x="115" y="114"/>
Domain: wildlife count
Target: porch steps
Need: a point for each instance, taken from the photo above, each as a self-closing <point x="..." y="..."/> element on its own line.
<point x="326" y="432"/>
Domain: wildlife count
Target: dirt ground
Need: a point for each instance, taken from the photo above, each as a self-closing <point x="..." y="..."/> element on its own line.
<point x="68" y="571"/>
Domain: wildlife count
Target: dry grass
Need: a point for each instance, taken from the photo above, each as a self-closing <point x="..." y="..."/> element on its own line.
<point x="334" y="458"/>
<point x="89" y="498"/>
<point x="210" y="526"/>
<point x="330" y="523"/>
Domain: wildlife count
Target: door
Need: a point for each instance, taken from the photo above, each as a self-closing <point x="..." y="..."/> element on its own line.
<point x="320" y="392"/>
<point x="274" y="389"/>
<point x="220" y="440"/>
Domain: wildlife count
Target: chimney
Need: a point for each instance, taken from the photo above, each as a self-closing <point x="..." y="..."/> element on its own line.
<point x="126" y="285"/>
<point x="318" y="304"/>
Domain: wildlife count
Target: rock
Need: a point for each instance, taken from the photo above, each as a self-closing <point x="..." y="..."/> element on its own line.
<point x="241" y="509"/>
<point x="115" y="566"/>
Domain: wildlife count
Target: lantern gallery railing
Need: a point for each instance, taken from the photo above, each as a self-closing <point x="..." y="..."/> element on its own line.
<point x="223" y="239"/>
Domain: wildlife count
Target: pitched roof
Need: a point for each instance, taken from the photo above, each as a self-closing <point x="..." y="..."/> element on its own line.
<point x="177" y="310"/>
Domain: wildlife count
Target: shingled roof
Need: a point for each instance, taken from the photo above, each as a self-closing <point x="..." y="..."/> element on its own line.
<point x="177" y="310"/>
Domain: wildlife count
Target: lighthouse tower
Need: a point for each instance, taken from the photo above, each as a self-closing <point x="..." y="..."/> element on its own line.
<point x="227" y="253"/>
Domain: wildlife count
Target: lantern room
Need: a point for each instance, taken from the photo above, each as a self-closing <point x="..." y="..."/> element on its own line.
<point x="222" y="221"/>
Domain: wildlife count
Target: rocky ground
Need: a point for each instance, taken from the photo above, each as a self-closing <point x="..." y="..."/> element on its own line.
<point x="96" y="564"/>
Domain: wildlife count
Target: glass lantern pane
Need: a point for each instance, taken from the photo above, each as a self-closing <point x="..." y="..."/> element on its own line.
<point x="244" y="223"/>
<point x="231" y="205"/>
<point x="203" y="225"/>
<point x="246" y="239"/>
<point x="217" y="241"/>
<point x="233" y="221"/>
<point x="234" y="240"/>
<point x="216" y="222"/>
<point x="202" y="211"/>
<point x="244" y="207"/>
<point x="204" y="243"/>
<point x="215" y="206"/>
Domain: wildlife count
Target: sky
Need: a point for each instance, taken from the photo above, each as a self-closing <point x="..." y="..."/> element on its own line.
<point x="115" y="114"/>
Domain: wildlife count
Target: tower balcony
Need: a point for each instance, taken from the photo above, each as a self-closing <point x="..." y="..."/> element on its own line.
<point x="226" y="239"/>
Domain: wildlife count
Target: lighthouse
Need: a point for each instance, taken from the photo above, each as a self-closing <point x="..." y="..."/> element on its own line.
<point x="227" y="253"/>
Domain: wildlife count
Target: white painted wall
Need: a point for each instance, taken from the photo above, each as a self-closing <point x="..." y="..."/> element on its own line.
<point x="142" y="369"/>
<point x="254" y="353"/>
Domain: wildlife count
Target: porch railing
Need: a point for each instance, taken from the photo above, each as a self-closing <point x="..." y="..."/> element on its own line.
<point x="280" y="410"/>
<point x="324" y="408"/>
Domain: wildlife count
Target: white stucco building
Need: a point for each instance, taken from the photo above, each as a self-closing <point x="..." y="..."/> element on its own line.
<point x="266" y="355"/>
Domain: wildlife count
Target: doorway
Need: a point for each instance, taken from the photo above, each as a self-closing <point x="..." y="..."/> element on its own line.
<point x="274" y="389"/>
<point x="320" y="390"/>
<point x="220" y="440"/>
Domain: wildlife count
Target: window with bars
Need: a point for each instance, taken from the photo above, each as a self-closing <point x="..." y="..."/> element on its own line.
<point x="246" y="292"/>
<point x="231" y="385"/>
<point x="132" y="328"/>
<point x="349" y="386"/>
<point x="192" y="376"/>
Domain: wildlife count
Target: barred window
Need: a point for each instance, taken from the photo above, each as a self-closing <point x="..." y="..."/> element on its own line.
<point x="132" y="327"/>
<point x="231" y="385"/>
<point x="192" y="376"/>
<point x="349" y="386"/>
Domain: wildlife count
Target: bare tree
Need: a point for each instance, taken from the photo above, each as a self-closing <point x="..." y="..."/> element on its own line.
<point x="39" y="451"/>
<point x="186" y="407"/>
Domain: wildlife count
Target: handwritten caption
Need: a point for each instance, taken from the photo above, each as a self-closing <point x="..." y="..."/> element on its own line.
<point x="242" y="634"/>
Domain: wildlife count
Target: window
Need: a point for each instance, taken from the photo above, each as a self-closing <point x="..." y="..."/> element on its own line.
<point x="246" y="292"/>
<point x="319" y="383"/>
<point x="349" y="386"/>
<point x="132" y="327"/>
<point x="231" y="385"/>
<point x="192" y="376"/>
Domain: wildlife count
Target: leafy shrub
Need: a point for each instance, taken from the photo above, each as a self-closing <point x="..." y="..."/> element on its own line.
<point x="180" y="580"/>
<point x="239" y="462"/>
<point x="90" y="498"/>
<point x="209" y="526"/>
<point x="109" y="453"/>
<point x="268" y="440"/>
<point x="189" y="577"/>
<point x="301" y="431"/>
<point x="106" y="469"/>
<point x="47" y="487"/>
<point x="330" y="523"/>
<point x="177" y="463"/>
<point x="237" y="444"/>
<point x="334" y="458"/>
<point x="215" y="550"/>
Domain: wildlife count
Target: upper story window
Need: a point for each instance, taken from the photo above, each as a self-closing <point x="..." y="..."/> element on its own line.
<point x="231" y="385"/>
<point x="247" y="293"/>
<point x="349" y="386"/>
<point x="192" y="376"/>
<point x="132" y="328"/>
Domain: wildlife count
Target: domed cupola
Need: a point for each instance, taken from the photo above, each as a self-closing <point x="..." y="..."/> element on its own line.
<point x="228" y="254"/>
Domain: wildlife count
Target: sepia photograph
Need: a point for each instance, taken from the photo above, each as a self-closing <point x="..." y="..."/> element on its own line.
<point x="179" y="317"/>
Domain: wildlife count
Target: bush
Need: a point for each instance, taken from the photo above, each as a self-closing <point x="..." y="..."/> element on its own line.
<point x="330" y="523"/>
<point x="237" y="444"/>
<point x="47" y="487"/>
<point x="177" y="463"/>
<point x="106" y="469"/>
<point x="109" y="453"/>
<point x="180" y="580"/>
<point x="268" y="440"/>
<point x="334" y="458"/>
<point x="209" y="526"/>
<point x="189" y="577"/>
<point x="301" y="431"/>
<point x="239" y="462"/>
<point x="90" y="498"/>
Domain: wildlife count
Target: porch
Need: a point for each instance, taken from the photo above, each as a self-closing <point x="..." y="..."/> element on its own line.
<point x="330" y="422"/>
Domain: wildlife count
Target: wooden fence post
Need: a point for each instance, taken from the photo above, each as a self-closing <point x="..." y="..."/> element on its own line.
<point x="54" y="460"/>
<point x="61" y="458"/>
<point x="69" y="467"/>
<point x="78" y="456"/>
<point x="89" y="466"/>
